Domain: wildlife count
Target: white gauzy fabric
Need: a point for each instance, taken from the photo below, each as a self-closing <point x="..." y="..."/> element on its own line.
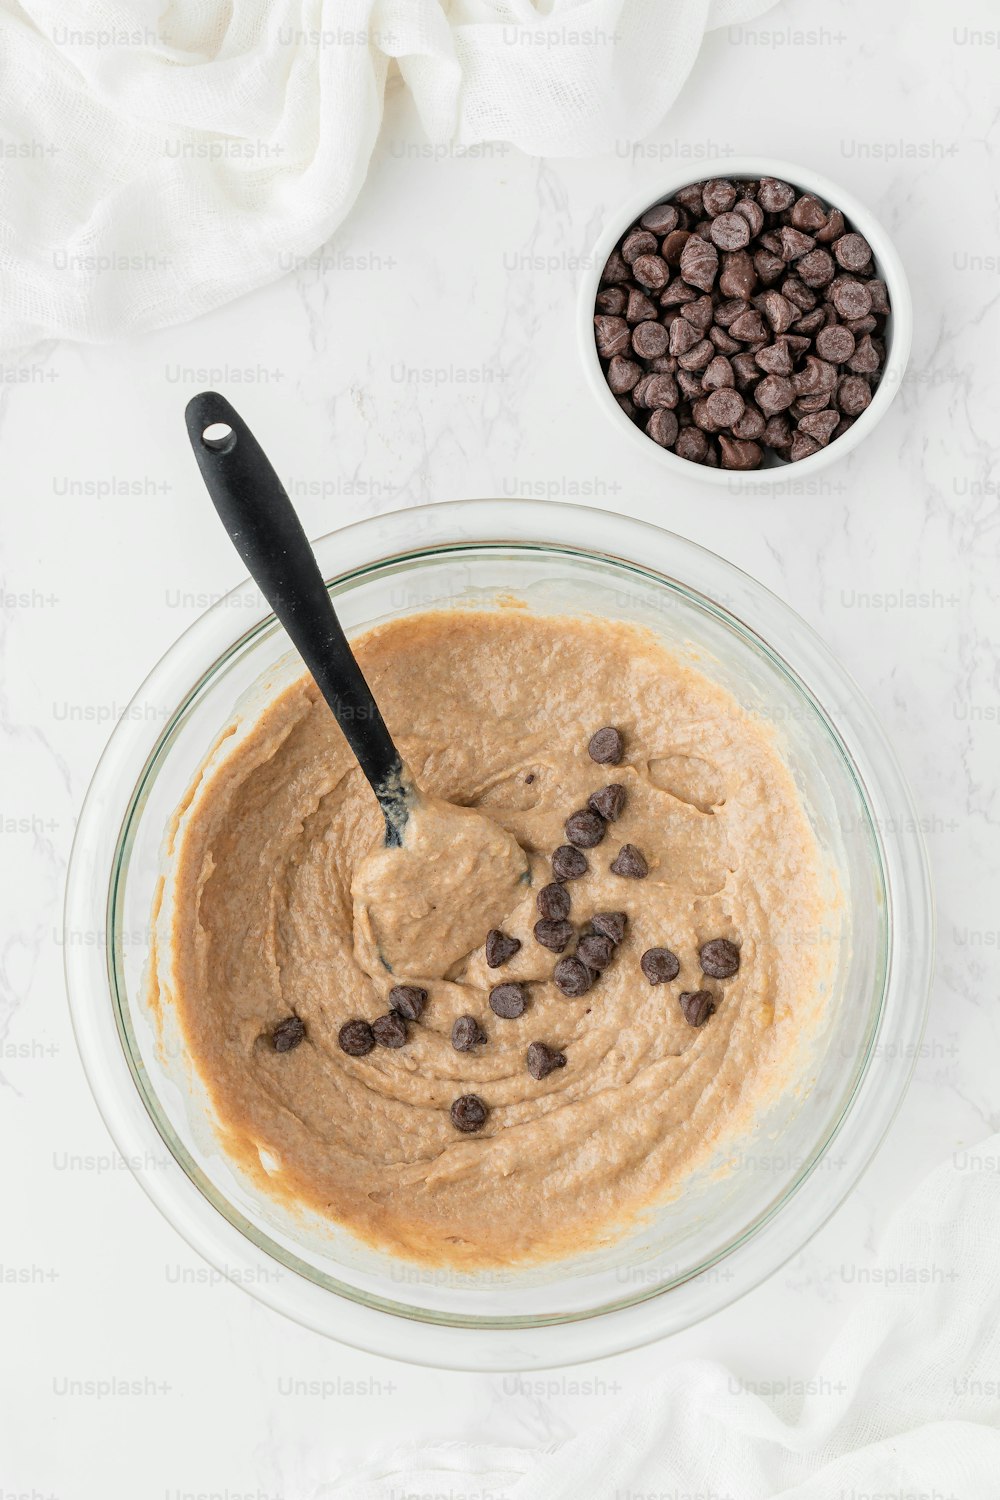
<point x="157" y="161"/>
<point x="905" y="1406"/>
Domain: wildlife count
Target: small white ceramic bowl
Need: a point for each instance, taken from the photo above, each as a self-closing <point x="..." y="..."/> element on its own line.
<point x="898" y="333"/>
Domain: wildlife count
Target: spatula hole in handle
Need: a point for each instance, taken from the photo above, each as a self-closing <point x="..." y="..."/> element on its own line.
<point x="219" y="437"/>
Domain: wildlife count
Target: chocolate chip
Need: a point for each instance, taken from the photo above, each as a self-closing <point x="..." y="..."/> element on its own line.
<point x="508" y="1001"/>
<point x="608" y="803"/>
<point x="390" y="1030"/>
<point x="769" y="267"/>
<point x="719" y="959"/>
<point x="816" y="269"/>
<point x="853" y="252"/>
<point x="808" y="213"/>
<point x="356" y="1038"/>
<point x="832" y="229"/>
<point x="795" y="244"/>
<point x="803" y="446"/>
<point x="630" y="862"/>
<point x="725" y="407"/>
<point x="718" y="196"/>
<point x="738" y="277"/>
<point x="612" y="336"/>
<point x="500" y="947"/>
<point x="611" y="924"/>
<point x="467" y="1034"/>
<point x="750" y="426"/>
<point x="776" y="358"/>
<point x="555" y="935"/>
<point x="649" y="340"/>
<point x="468" y="1113"/>
<point x="656" y="391"/>
<point x="613" y="299"/>
<point x="662" y="427"/>
<point x="607" y="746"/>
<point x="748" y="327"/>
<point x="569" y="863"/>
<point x="865" y="359"/>
<point x="622" y="374"/>
<point x="408" y="1000"/>
<point x="615" y="269"/>
<point x="639" y="308"/>
<point x="638" y="242"/>
<point x="683" y="336"/>
<point x="774" y="196"/>
<point x="673" y="247"/>
<point x="697" y="1006"/>
<point x="573" y="977"/>
<point x="661" y="218"/>
<point x="699" y="357"/>
<point x="553" y="902"/>
<point x="852" y="299"/>
<point x="692" y="444"/>
<point x="659" y="965"/>
<point x="651" y="272"/>
<point x="853" y="395"/>
<point x="700" y="263"/>
<point x="543" y="1060"/>
<point x="820" y="426"/>
<point x="698" y="313"/>
<point x="730" y="231"/>
<point x="751" y="210"/>
<point x="288" y="1034"/>
<point x="774" y="394"/>
<point x="595" y="950"/>
<point x="718" y="375"/>
<point x="585" y="829"/>
<point x="835" y="344"/>
<point x="739" y="455"/>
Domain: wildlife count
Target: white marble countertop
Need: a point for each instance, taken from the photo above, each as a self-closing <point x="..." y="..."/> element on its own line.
<point x="429" y="353"/>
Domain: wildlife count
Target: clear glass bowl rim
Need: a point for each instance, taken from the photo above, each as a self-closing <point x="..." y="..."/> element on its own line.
<point x="392" y="1329"/>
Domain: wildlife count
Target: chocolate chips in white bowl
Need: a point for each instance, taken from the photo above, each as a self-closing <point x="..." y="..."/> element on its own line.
<point x="742" y="323"/>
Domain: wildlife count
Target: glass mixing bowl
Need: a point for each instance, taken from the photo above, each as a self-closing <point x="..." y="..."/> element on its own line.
<point x="741" y="1216"/>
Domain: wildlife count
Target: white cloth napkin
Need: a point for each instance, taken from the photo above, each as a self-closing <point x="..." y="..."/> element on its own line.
<point x="157" y="161"/>
<point x="905" y="1406"/>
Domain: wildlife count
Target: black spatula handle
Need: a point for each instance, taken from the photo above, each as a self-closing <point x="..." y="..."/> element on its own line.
<point x="267" y="533"/>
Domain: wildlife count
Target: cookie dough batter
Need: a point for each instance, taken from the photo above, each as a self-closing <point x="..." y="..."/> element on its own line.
<point x="278" y="857"/>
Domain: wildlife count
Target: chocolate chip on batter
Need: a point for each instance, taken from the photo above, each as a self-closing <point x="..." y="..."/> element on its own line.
<point x="630" y="862"/>
<point x="390" y="1030"/>
<point x="288" y="1034"/>
<point x="572" y="976"/>
<point x="596" y="950"/>
<point x="553" y="902"/>
<point x="468" y="1113"/>
<point x="408" y="1001"/>
<point x="554" y="935"/>
<point x="607" y="746"/>
<point x="569" y="863"/>
<point x="467" y="1034"/>
<point x="543" y="1060"/>
<point x="697" y="1006"/>
<point x="500" y="947"/>
<point x="611" y="924"/>
<point x="508" y="1001"/>
<point x="659" y="965"/>
<point x="584" y="828"/>
<point x="719" y="959"/>
<point x="356" y="1038"/>
<point x="608" y="803"/>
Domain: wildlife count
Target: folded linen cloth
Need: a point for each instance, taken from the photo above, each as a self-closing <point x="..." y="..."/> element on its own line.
<point x="905" y="1405"/>
<point x="158" y="162"/>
